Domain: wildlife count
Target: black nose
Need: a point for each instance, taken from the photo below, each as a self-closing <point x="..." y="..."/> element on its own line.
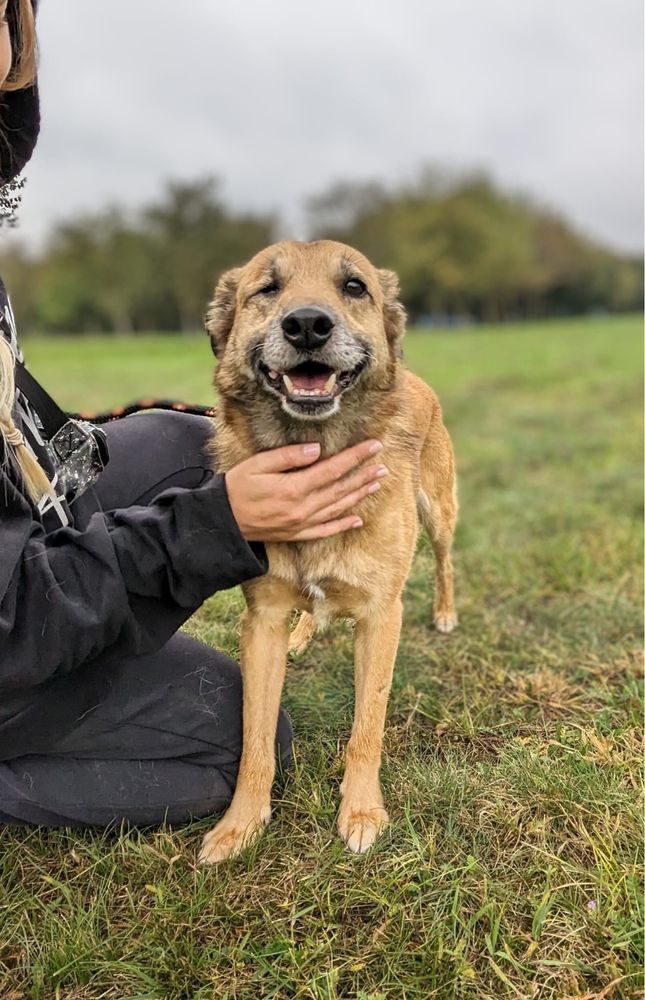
<point x="307" y="328"/>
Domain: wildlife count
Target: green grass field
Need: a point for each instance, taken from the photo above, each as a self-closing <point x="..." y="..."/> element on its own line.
<point x="512" y="753"/>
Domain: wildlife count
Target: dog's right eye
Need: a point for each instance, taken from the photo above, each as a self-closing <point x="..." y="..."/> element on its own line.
<point x="269" y="289"/>
<point x="355" y="288"/>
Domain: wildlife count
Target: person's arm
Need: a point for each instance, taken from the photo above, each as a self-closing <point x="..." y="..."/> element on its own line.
<point x="68" y="596"/>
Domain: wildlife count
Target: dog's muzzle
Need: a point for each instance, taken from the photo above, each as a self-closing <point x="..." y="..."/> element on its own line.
<point x="309" y="360"/>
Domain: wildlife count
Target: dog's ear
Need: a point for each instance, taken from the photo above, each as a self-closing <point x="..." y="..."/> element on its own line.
<point x="221" y="312"/>
<point x="394" y="315"/>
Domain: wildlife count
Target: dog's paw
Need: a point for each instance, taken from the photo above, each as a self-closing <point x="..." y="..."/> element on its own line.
<point x="446" y="621"/>
<point x="297" y="646"/>
<point x="302" y="634"/>
<point x="360" y="828"/>
<point x="230" y="837"/>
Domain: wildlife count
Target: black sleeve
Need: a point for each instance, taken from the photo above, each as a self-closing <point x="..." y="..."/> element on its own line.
<point x="68" y="596"/>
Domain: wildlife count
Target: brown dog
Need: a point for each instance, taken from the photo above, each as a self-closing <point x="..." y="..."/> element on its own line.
<point x="307" y="336"/>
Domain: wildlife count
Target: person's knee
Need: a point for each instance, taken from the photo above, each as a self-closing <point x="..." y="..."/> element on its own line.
<point x="222" y="728"/>
<point x="182" y="436"/>
<point x="184" y="427"/>
<point x="222" y="693"/>
<point x="151" y="452"/>
<point x="209" y="691"/>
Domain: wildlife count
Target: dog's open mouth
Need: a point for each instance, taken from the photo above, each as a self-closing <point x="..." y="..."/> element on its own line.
<point x="311" y="382"/>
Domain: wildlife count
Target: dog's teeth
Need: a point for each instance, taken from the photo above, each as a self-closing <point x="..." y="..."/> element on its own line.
<point x="326" y="390"/>
<point x="273" y="373"/>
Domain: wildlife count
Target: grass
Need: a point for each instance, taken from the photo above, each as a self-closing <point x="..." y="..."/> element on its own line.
<point x="512" y="753"/>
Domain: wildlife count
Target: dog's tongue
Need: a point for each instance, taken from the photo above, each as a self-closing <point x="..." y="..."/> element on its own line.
<point x="300" y="380"/>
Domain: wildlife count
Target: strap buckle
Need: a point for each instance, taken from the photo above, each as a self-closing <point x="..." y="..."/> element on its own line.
<point x="80" y="453"/>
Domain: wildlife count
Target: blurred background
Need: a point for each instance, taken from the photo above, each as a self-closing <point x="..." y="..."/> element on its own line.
<point x="490" y="153"/>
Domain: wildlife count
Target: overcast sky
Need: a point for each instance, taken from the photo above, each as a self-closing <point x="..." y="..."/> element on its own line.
<point x="280" y="97"/>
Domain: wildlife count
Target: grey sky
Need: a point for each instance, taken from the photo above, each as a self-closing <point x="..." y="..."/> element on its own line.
<point x="280" y="97"/>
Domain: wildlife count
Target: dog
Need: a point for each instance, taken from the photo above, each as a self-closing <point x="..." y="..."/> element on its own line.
<point x="307" y="336"/>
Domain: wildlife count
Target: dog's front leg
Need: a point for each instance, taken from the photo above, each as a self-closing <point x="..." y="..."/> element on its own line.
<point x="264" y="641"/>
<point x="362" y="813"/>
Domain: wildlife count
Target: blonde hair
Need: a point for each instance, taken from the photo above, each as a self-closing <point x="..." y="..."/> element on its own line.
<point x="23" y="64"/>
<point x="33" y="474"/>
<point x="22" y="74"/>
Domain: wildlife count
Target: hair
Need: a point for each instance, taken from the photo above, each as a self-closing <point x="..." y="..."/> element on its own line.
<point x="23" y="64"/>
<point x="32" y="473"/>
<point x="22" y="74"/>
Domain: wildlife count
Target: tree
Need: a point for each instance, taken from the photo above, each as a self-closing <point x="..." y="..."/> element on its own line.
<point x="462" y="245"/>
<point x="196" y="238"/>
<point x="154" y="270"/>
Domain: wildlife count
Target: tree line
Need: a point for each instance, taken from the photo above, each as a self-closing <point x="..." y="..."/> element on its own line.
<point x="464" y="249"/>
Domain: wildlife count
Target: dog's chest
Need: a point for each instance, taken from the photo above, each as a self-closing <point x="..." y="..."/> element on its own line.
<point x="320" y="601"/>
<point x="323" y="579"/>
<point x="314" y="590"/>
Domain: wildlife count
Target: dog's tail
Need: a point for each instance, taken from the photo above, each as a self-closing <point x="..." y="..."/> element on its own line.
<point x="303" y="633"/>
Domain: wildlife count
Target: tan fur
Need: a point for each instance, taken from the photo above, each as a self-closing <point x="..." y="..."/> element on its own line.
<point x="303" y="633"/>
<point x="360" y="573"/>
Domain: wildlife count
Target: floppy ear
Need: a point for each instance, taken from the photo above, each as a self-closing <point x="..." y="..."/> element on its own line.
<point x="394" y="315"/>
<point x="221" y="312"/>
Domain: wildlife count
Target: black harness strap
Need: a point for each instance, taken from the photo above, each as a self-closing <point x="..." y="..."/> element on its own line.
<point x="53" y="418"/>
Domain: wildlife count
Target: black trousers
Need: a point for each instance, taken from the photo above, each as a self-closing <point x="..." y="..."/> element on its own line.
<point x="165" y="742"/>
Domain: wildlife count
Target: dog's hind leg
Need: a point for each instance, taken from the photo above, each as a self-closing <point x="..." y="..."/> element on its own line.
<point x="362" y="813"/>
<point x="302" y="633"/>
<point x="437" y="505"/>
<point x="265" y="636"/>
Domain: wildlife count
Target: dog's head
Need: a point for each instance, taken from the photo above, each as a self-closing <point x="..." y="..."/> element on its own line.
<point x="305" y="323"/>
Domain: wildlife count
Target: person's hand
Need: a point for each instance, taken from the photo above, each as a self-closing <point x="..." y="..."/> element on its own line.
<point x="274" y="498"/>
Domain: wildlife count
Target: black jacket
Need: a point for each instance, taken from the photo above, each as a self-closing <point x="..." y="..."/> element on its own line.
<point x="73" y="601"/>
